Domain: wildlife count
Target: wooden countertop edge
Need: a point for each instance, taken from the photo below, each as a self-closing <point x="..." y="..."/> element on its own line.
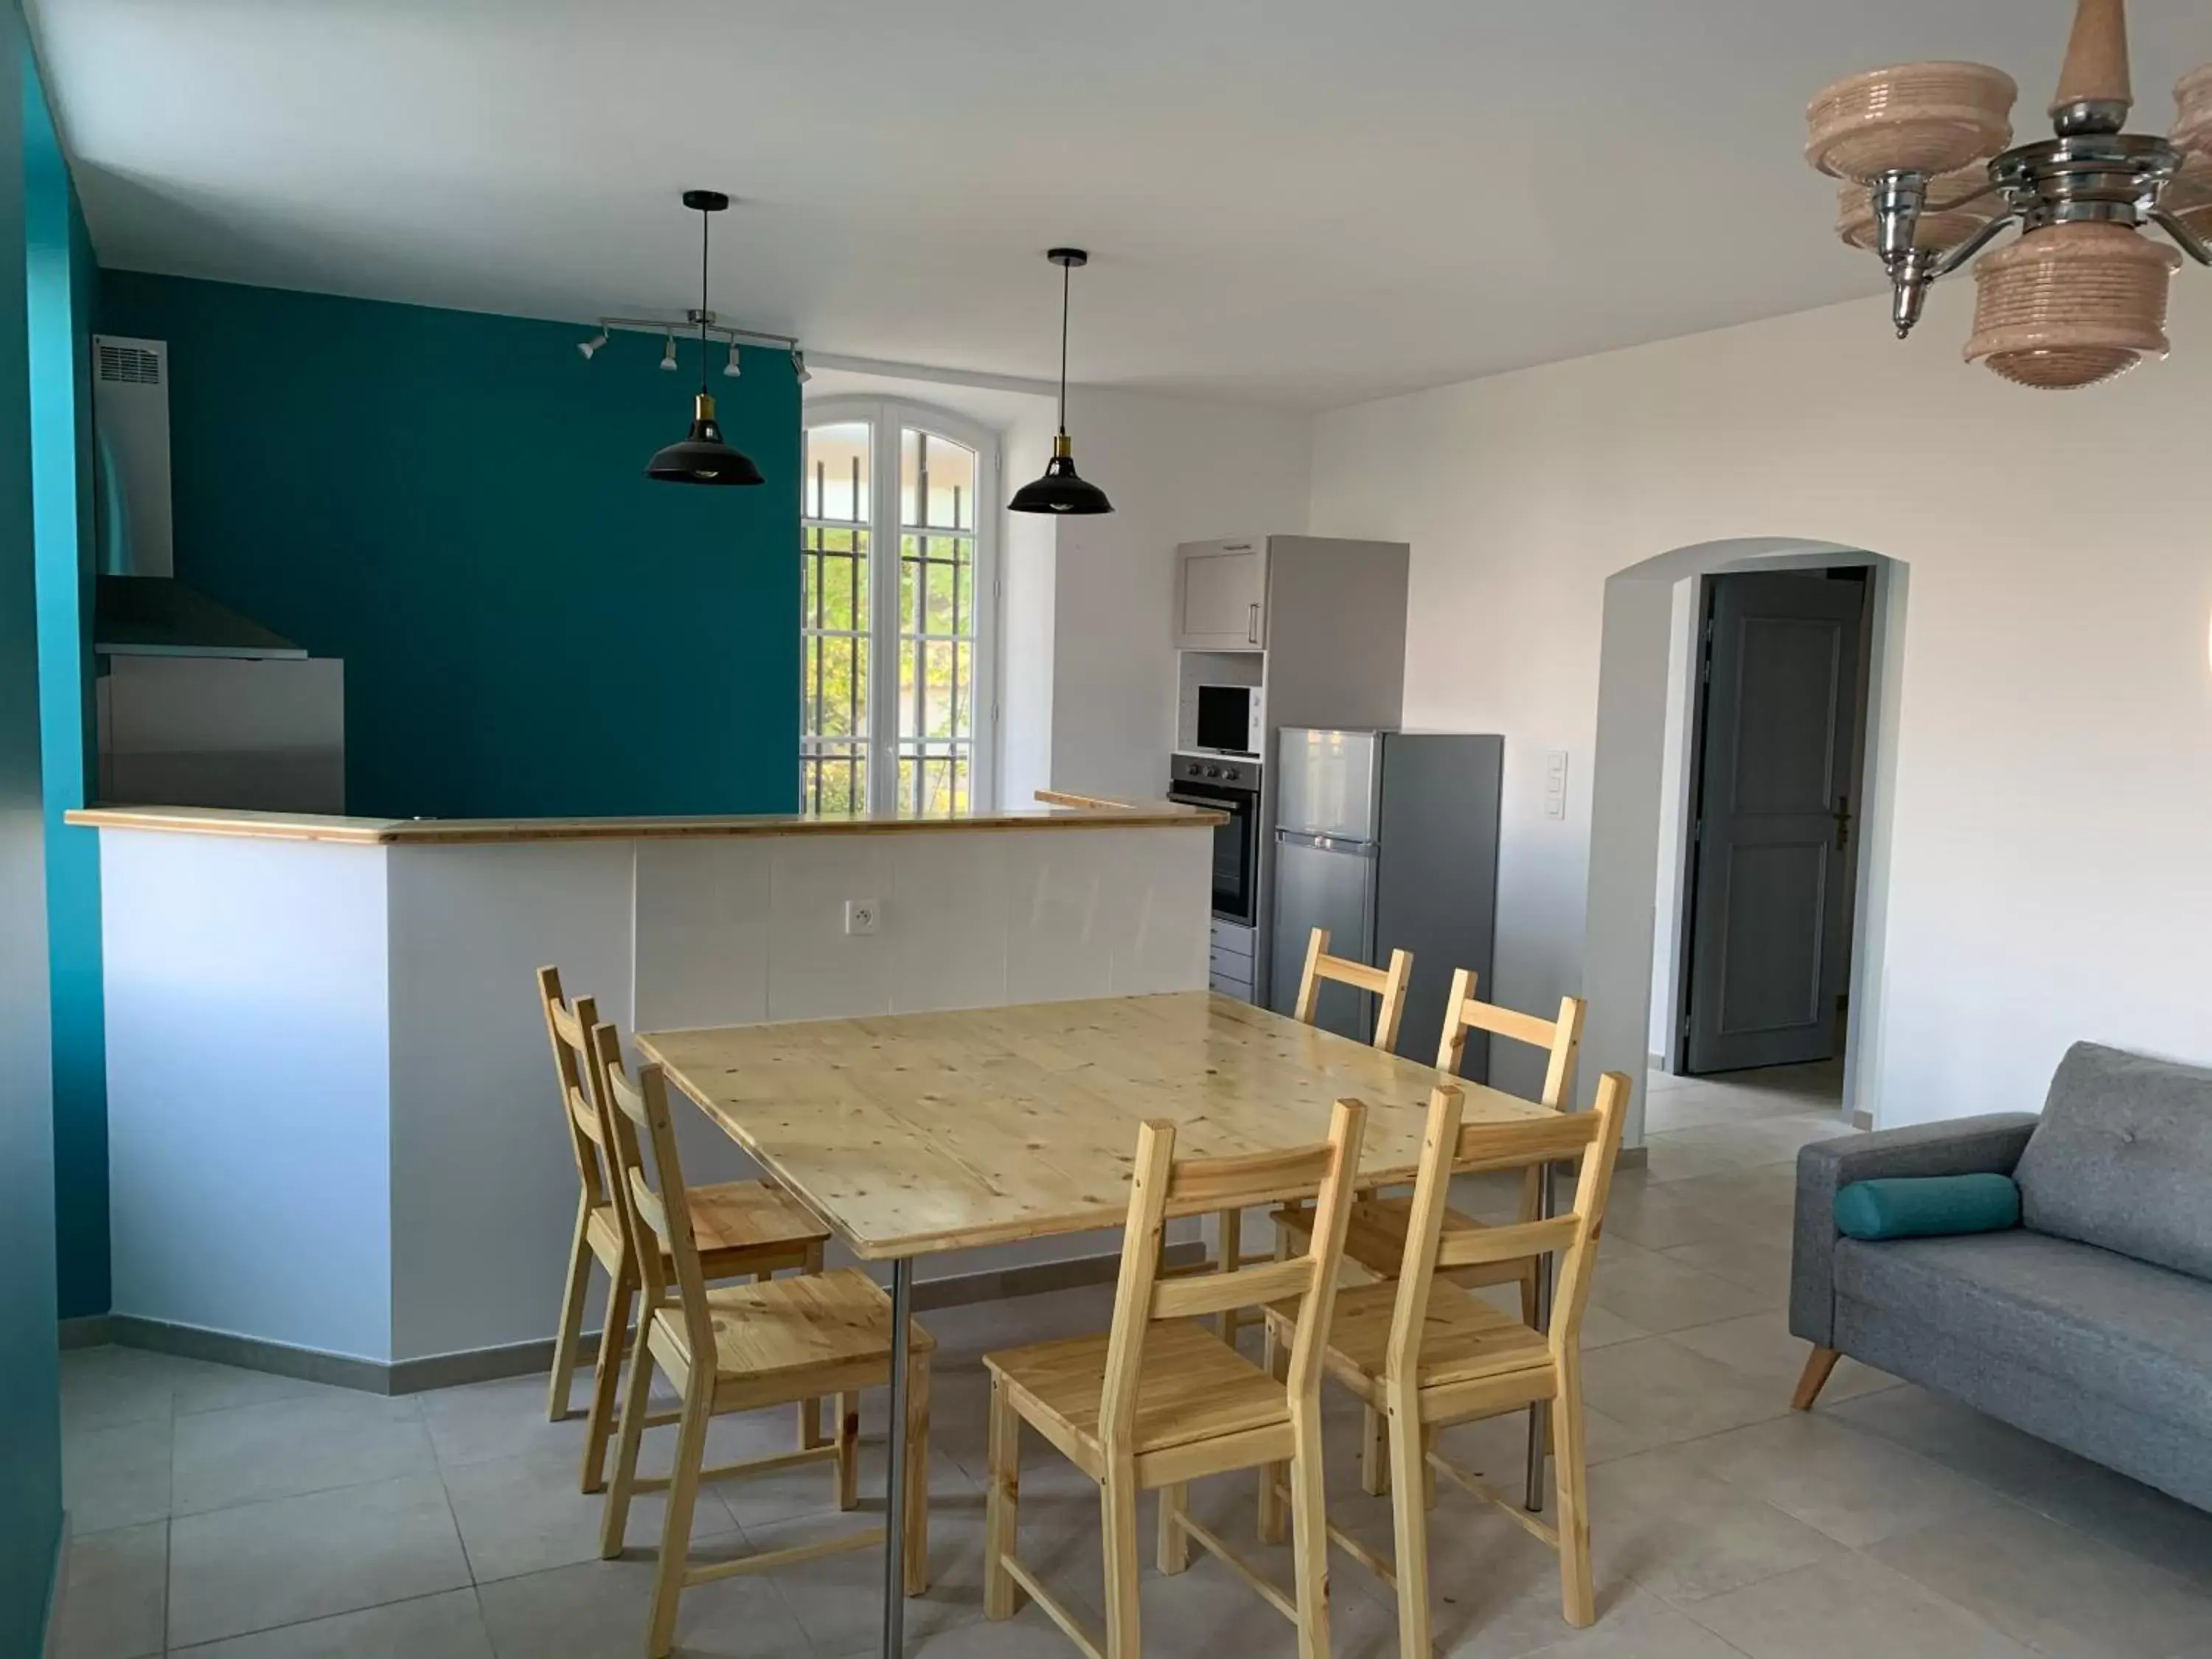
<point x="1071" y="812"/>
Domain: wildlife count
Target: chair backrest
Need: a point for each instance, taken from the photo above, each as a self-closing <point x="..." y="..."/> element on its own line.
<point x="1323" y="1172"/>
<point x="1388" y="984"/>
<point x="1560" y="1037"/>
<point x="569" y="1028"/>
<point x="1448" y="1146"/>
<point x="654" y="1205"/>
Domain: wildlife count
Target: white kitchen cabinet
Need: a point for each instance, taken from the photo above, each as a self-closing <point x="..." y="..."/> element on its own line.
<point x="1221" y="595"/>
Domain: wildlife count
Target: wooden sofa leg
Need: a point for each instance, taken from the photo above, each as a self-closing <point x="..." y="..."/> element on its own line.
<point x="1818" y="1365"/>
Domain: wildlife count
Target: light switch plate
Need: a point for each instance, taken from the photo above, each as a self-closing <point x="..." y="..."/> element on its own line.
<point x="1555" y="783"/>
<point x="861" y="915"/>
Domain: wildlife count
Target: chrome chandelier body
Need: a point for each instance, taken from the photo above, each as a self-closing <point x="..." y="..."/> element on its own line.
<point x="1932" y="180"/>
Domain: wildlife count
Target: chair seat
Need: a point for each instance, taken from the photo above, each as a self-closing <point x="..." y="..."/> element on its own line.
<point x="1376" y="1239"/>
<point x="741" y="1226"/>
<point x="1464" y="1340"/>
<point x="792" y="1339"/>
<point x="1192" y="1387"/>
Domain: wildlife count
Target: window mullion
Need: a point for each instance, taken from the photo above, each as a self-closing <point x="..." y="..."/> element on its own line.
<point x="883" y="613"/>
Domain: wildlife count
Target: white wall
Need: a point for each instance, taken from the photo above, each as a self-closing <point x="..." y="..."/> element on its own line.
<point x="1673" y="791"/>
<point x="2053" y="761"/>
<point x="1178" y="470"/>
<point x="1031" y="545"/>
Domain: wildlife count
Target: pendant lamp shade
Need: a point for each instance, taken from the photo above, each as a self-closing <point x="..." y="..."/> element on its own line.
<point x="701" y="457"/>
<point x="1062" y="490"/>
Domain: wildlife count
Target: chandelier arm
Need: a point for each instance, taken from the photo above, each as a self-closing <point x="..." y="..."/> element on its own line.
<point x="2185" y="238"/>
<point x="1951" y="260"/>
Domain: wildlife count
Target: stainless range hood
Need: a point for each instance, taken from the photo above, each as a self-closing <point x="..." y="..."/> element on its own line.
<point x="140" y="608"/>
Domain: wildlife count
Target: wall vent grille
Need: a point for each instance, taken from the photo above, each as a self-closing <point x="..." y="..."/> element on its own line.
<point x="126" y="365"/>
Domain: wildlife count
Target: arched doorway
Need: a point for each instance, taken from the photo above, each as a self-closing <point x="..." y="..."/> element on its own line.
<point x="1630" y="802"/>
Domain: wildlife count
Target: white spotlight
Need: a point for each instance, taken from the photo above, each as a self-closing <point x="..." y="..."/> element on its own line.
<point x="798" y="366"/>
<point x="732" y="368"/>
<point x="668" y="357"/>
<point x="590" y="347"/>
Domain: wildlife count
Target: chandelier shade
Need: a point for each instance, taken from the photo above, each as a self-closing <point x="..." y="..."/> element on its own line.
<point x="2193" y="107"/>
<point x="2071" y="305"/>
<point x="1920" y="118"/>
<point x="2189" y="197"/>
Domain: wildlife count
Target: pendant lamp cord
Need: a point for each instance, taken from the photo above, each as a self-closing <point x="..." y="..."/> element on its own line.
<point x="706" y="226"/>
<point x="1064" y="278"/>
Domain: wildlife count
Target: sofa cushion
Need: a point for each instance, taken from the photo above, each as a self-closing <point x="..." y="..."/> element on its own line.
<point x="2123" y="1158"/>
<point x="2133" y="1334"/>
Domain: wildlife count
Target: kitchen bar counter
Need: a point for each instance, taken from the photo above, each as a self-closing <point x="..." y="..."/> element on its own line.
<point x="1057" y="810"/>
<point x="327" y="1068"/>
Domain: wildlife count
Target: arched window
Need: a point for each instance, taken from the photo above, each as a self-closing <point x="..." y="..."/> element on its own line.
<point x="899" y="601"/>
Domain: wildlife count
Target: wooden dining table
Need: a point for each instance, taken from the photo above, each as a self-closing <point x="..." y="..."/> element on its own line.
<point x="909" y="1134"/>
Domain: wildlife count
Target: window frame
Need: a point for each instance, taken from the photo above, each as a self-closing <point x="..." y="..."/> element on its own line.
<point x="885" y="418"/>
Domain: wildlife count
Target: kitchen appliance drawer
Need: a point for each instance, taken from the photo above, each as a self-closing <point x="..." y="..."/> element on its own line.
<point x="1233" y="939"/>
<point x="1231" y="985"/>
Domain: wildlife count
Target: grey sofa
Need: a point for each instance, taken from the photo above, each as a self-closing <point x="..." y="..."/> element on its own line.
<point x="2090" y="1324"/>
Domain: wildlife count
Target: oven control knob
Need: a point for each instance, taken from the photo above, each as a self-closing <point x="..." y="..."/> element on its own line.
<point x="1213" y="771"/>
<point x="1231" y="774"/>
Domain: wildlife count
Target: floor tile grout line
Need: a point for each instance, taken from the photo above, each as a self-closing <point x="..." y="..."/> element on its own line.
<point x="324" y="1618"/>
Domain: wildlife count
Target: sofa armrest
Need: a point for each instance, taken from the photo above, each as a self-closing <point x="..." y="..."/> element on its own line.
<point x="1965" y="1146"/>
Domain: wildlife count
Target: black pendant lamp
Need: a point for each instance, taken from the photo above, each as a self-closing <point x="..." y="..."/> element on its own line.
<point x="1061" y="490"/>
<point x="703" y="458"/>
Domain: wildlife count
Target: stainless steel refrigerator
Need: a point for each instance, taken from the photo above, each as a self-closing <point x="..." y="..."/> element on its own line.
<point x="1389" y="839"/>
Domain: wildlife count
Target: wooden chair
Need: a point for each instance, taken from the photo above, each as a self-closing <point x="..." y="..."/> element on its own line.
<point x="1375" y="1241"/>
<point x="1428" y="1352"/>
<point x="744" y="1228"/>
<point x="739" y="1348"/>
<point x="1159" y="1400"/>
<point x="1390" y="984"/>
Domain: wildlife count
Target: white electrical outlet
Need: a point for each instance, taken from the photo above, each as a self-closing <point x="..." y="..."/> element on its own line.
<point x="861" y="915"/>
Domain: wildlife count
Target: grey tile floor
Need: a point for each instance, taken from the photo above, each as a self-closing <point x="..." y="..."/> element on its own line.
<point x="234" y="1516"/>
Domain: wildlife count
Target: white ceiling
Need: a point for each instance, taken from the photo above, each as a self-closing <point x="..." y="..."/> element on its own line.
<point x="1296" y="202"/>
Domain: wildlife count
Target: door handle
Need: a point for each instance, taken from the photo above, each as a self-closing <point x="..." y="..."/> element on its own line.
<point x="1842" y="814"/>
<point x="1252" y="631"/>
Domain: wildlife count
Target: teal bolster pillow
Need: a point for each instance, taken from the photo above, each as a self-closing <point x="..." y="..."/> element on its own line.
<point x="1929" y="1206"/>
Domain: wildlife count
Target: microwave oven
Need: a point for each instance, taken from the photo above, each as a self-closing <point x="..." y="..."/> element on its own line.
<point x="1230" y="720"/>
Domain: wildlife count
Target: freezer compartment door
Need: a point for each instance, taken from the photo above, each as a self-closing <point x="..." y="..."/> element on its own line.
<point x="1327" y="783"/>
<point x="1321" y="882"/>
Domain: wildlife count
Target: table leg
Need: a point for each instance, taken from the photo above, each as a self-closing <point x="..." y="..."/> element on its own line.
<point x="1540" y="1416"/>
<point x="894" y="1497"/>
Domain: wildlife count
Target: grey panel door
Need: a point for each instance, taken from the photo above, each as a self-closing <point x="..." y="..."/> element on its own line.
<point x="1772" y="819"/>
<point x="1321" y="883"/>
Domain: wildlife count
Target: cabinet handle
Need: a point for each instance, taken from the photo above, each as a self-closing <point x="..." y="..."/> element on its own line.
<point x="1252" y="632"/>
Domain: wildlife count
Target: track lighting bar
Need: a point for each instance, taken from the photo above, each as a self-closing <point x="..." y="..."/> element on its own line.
<point x="726" y="332"/>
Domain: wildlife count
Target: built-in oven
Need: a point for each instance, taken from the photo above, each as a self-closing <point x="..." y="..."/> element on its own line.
<point x="1231" y="786"/>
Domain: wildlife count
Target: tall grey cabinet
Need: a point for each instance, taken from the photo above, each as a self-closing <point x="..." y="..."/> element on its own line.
<point x="1317" y="624"/>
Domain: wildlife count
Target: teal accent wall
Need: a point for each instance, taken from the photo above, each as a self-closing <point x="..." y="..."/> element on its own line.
<point x="456" y="504"/>
<point x="62" y="286"/>
<point x="30" y="1428"/>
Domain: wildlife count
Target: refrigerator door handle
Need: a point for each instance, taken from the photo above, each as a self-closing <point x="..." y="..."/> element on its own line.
<point x="1364" y="849"/>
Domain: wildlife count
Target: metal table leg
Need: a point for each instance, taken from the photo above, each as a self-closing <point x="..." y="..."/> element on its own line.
<point x="895" y="1516"/>
<point x="1540" y="1416"/>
